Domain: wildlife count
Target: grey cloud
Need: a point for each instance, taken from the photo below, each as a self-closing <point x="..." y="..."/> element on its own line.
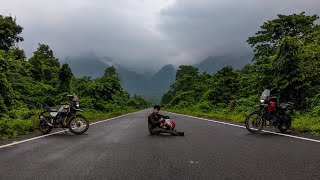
<point x="218" y="28"/>
<point x="147" y="34"/>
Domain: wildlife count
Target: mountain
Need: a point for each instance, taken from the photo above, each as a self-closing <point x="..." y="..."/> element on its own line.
<point x="150" y="87"/>
<point x="166" y="75"/>
<point x="133" y="82"/>
<point x="214" y="64"/>
<point x="89" y="65"/>
<point x="161" y="81"/>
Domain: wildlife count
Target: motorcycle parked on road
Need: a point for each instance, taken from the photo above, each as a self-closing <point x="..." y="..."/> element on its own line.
<point x="270" y="114"/>
<point x="65" y="117"/>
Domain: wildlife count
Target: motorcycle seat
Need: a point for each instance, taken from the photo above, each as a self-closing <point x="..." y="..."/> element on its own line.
<point x="53" y="114"/>
<point x="286" y="105"/>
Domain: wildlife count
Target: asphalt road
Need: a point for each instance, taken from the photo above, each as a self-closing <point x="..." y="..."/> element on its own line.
<point x="122" y="149"/>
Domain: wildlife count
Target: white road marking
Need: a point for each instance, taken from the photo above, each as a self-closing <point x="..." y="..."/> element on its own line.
<point x="235" y="125"/>
<point x="193" y="162"/>
<point x="42" y="136"/>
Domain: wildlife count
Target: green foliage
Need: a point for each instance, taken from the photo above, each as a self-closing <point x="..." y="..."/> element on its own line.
<point x="273" y="31"/>
<point x="45" y="66"/>
<point x="9" y="33"/>
<point x="138" y="102"/>
<point x="225" y="86"/>
<point x="65" y="76"/>
<point x="111" y="71"/>
<point x="186" y="71"/>
<point x="203" y="106"/>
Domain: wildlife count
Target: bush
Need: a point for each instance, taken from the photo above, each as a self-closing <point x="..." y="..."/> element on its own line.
<point x="204" y="106"/>
<point x="16" y="127"/>
<point x="183" y="105"/>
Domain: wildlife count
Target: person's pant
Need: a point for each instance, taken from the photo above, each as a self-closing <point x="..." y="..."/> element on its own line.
<point x="158" y="130"/>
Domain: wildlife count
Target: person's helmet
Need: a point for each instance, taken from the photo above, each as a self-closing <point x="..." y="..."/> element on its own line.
<point x="172" y="124"/>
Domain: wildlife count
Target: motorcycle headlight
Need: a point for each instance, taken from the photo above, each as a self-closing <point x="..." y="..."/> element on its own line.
<point x="77" y="104"/>
<point x="262" y="100"/>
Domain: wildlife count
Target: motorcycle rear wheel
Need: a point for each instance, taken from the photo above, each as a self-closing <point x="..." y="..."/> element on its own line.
<point x="285" y="126"/>
<point x="44" y="127"/>
<point x="254" y="122"/>
<point x="78" y="124"/>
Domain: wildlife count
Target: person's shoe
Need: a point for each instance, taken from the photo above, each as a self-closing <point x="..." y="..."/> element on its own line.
<point x="182" y="133"/>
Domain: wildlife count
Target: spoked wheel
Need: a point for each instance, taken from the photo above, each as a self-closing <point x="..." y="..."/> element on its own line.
<point x="254" y="122"/>
<point x="44" y="127"/>
<point x="78" y="124"/>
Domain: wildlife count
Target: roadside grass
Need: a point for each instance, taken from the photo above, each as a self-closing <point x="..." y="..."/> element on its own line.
<point x="24" y="121"/>
<point x="306" y="124"/>
<point x="303" y="123"/>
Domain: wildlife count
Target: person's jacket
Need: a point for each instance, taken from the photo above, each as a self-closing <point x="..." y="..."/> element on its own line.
<point x="154" y="120"/>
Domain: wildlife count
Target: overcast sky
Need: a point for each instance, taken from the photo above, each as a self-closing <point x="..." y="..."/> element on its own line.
<point x="147" y="33"/>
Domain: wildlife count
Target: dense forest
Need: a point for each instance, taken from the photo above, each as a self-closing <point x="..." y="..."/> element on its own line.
<point x="27" y="86"/>
<point x="287" y="59"/>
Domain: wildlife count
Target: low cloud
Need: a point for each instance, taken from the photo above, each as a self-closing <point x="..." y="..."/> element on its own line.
<point x="146" y="34"/>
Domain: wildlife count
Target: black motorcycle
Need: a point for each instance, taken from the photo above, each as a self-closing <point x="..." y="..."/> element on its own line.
<point x="65" y="117"/>
<point x="270" y="114"/>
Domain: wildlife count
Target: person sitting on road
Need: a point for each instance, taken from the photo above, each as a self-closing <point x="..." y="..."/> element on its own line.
<point x="154" y="123"/>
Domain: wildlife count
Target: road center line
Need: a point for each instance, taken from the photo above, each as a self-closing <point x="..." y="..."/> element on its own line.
<point x="46" y="135"/>
<point x="235" y="125"/>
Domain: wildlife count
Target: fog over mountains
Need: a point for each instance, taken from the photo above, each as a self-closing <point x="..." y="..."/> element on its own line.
<point x="149" y="85"/>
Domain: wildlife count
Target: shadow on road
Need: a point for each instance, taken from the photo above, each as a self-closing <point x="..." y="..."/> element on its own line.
<point x="266" y="134"/>
<point x="161" y="136"/>
<point x="66" y="135"/>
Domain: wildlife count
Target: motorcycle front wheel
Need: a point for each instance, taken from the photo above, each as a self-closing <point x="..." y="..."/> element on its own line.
<point x="78" y="124"/>
<point x="254" y="122"/>
<point x="44" y="127"/>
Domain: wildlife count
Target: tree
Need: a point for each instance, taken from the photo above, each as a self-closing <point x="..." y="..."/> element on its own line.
<point x="37" y="68"/>
<point x="295" y="69"/>
<point x="104" y="88"/>
<point x="167" y="97"/>
<point x="9" y="33"/>
<point x="45" y="67"/>
<point x="272" y="32"/>
<point x="225" y="86"/>
<point x="6" y="90"/>
<point x="65" y="76"/>
<point x="287" y="57"/>
<point x="249" y="79"/>
<point x="185" y="78"/>
<point x="186" y="71"/>
<point x="79" y="85"/>
<point x="46" y="54"/>
<point x="111" y="71"/>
